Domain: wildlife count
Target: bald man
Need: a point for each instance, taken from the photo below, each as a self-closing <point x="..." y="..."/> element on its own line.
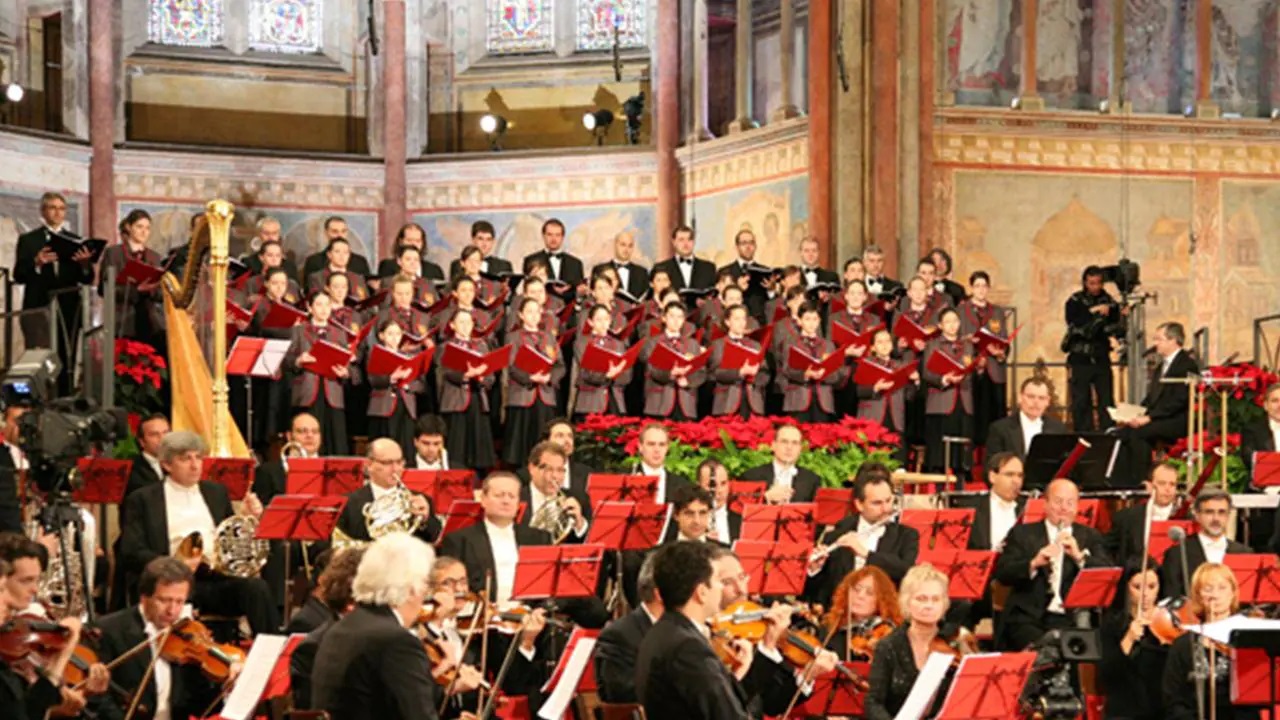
<point x="383" y="465"/>
<point x="1039" y="563"/>
<point x="634" y="277"/>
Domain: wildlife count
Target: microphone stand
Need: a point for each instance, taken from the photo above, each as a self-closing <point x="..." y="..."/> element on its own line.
<point x="1198" y="670"/>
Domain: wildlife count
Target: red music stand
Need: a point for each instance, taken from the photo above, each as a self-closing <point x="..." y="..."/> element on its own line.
<point x="602" y="487"/>
<point x="943" y="529"/>
<point x="628" y="525"/>
<point x="1257" y="575"/>
<point x="586" y="681"/>
<point x="1266" y="469"/>
<point x="746" y="492"/>
<point x="301" y="518"/>
<point x="774" y="568"/>
<point x="1088" y="510"/>
<point x="105" y="480"/>
<point x="461" y="515"/>
<point x="835" y="695"/>
<point x="1093" y="588"/>
<point x="324" y="476"/>
<point x="778" y="523"/>
<point x="831" y="505"/>
<point x="280" y="684"/>
<point x="987" y="687"/>
<point x="442" y="486"/>
<point x="1159" y="542"/>
<point x="234" y="474"/>
<point x="557" y="571"/>
<point x="257" y="357"/>
<point x="968" y="571"/>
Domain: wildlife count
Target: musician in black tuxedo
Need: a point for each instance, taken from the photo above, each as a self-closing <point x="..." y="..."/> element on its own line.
<point x="335" y="228"/>
<point x="384" y="463"/>
<point x="1263" y="435"/>
<point x="878" y="284"/>
<point x="491" y="548"/>
<point x="619" y="642"/>
<point x="785" y="481"/>
<point x="1166" y="403"/>
<point x="11" y="461"/>
<point x="560" y="431"/>
<point x="1015" y="432"/>
<point x="565" y="268"/>
<point x="1039" y="563"/>
<point x="165" y="514"/>
<point x="412" y="235"/>
<point x="685" y="270"/>
<point x="368" y="666"/>
<point x="1212" y="508"/>
<point x="867" y="538"/>
<point x="811" y="271"/>
<point x="145" y="470"/>
<point x="633" y="278"/>
<point x="164" y="587"/>
<point x="37" y="268"/>
<point x="1127" y="539"/>
<point x="483" y="237"/>
<point x="997" y="512"/>
<point x="725" y="525"/>
<point x="545" y="471"/>
<point x="654" y="443"/>
<point x="754" y="293"/>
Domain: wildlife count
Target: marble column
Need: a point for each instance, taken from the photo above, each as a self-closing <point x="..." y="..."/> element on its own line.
<point x="102" y="121"/>
<point x="821" y="58"/>
<point x="393" y="123"/>
<point x="1028" y="93"/>
<point x="742" y="75"/>
<point x="666" y="114"/>
<point x="886" y="20"/>
<point x="787" y="53"/>
<point x="701" y="103"/>
<point x="1205" y="106"/>
<point x="928" y="218"/>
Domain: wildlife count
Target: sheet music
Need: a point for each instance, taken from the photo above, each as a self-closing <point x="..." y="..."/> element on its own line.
<point x="1268" y="500"/>
<point x="926" y="687"/>
<point x="1124" y="412"/>
<point x="243" y="700"/>
<point x="558" y="702"/>
<point x="1221" y="630"/>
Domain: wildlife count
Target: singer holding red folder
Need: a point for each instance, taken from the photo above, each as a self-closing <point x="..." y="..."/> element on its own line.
<point x="464" y="401"/>
<point x="535" y="371"/>
<point x="316" y="389"/>
<point x="949" y="403"/>
<point x="672" y="393"/>
<point x="737" y="365"/>
<point x="883" y="402"/>
<point x="809" y="395"/>
<point x="271" y="408"/>
<point x="597" y="392"/>
<point x="393" y="399"/>
<point x="139" y="310"/>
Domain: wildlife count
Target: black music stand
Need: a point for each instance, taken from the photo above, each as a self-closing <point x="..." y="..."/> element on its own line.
<point x="1049" y="451"/>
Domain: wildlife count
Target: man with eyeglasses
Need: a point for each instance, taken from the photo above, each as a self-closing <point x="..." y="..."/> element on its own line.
<point x="754" y="292"/>
<point x="1212" y="511"/>
<point x="546" y="474"/>
<point x="383" y="466"/>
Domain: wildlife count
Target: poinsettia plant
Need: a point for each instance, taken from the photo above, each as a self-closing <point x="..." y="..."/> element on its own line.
<point x="140" y="375"/>
<point x="833" y="451"/>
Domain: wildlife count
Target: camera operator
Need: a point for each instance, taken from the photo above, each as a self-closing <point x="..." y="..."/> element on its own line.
<point x="1094" y="318"/>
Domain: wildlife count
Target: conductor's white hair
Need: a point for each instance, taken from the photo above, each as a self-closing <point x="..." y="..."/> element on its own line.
<point x="394" y="566"/>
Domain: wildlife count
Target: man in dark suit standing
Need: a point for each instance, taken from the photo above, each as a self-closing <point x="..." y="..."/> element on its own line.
<point x="1131" y="526"/>
<point x="384" y="463"/>
<point x="1166" y="403"/>
<point x="685" y="270"/>
<point x="335" y="228"/>
<point x="619" y="642"/>
<point x="484" y="237"/>
<point x="786" y="482"/>
<point x="633" y="278"/>
<point x="412" y="235"/>
<point x="565" y="268"/>
<point x="1263" y="435"/>
<point x="810" y="269"/>
<point x="1013" y="434"/>
<point x="754" y="293"/>
<point x="37" y="268"/>
<point x="1212" y="509"/>
<point x="165" y="514"/>
<point x="369" y="666"/>
<point x="1039" y="563"/>
<point x="877" y="282"/>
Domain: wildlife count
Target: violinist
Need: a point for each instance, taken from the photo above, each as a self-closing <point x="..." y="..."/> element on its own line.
<point x="1212" y="510"/>
<point x="329" y="602"/>
<point x="172" y="690"/>
<point x="900" y="656"/>
<point x="1198" y="667"/>
<point x="1133" y="659"/>
<point x="619" y="642"/>
<point x="863" y="610"/>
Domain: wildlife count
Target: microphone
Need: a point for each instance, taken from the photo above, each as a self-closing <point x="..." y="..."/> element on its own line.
<point x="1177" y="534"/>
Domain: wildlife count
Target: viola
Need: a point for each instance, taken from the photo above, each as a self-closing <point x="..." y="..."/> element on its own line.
<point x="749" y="621"/>
<point x="189" y="642"/>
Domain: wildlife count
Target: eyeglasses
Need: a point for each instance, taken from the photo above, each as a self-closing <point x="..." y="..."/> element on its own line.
<point x="382" y="461"/>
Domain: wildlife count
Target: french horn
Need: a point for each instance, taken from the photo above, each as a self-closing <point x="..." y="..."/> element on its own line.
<point x="391" y="512"/>
<point x="235" y="552"/>
<point x="291" y="448"/>
<point x="554" y="519"/>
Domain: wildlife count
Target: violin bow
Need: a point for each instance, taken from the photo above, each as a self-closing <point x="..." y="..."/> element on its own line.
<point x="146" y="676"/>
<point x="119" y="659"/>
<point x="484" y="640"/>
<point x="804" y="675"/>
<point x="466" y="642"/>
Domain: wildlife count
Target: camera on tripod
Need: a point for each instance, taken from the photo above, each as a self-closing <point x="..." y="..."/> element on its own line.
<point x="1050" y="692"/>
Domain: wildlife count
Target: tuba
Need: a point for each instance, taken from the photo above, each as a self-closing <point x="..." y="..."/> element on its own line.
<point x="553" y="519"/>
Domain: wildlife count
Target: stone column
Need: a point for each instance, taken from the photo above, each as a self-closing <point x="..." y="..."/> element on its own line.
<point x="821" y="59"/>
<point x="787" y="52"/>
<point x="1116" y="86"/>
<point x="393" y="123"/>
<point x="886" y="21"/>
<point x="742" y="76"/>
<point x="928" y="225"/>
<point x="666" y="114"/>
<point x="1028" y="94"/>
<point x="102" y="121"/>
<point x="1205" y="106"/>
<point x="701" y="37"/>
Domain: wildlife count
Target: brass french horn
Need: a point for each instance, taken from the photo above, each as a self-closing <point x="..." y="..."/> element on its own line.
<point x="554" y="519"/>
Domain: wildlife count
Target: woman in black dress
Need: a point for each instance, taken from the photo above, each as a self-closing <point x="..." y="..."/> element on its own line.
<point x="900" y="656"/>
<point x="464" y="402"/>
<point x="393" y="402"/>
<point x="1133" y="659"/>
<point x="1214" y="596"/>
<point x="949" y="402"/>
<point x="531" y="398"/>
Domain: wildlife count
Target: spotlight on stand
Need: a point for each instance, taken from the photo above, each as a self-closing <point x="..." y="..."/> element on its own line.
<point x="598" y="122"/>
<point x="633" y="109"/>
<point x="494" y="127"/>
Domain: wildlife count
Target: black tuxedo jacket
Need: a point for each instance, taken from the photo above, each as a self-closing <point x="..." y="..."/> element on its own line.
<point x="141" y="475"/>
<point x="1005" y="434"/>
<point x="269" y="481"/>
<point x="10" y="509"/>
<point x="189" y="692"/>
<point x="1164" y="401"/>
<point x="1256" y="437"/>
<point x="311" y="616"/>
<point x="370" y="668"/>
<point x="578" y="474"/>
<point x="571" y="269"/>
<point x="637" y="278"/>
<point x="755" y="296"/>
<point x="703" y="276"/>
<point x="19" y="701"/>
<point x="1029" y="595"/>
<point x="389" y="268"/>
<point x="353" y="524"/>
<point x="39" y="283"/>
<point x="679" y="676"/>
<point x="615" y="658"/>
<point x="823" y="276"/>
<point x="895" y="553"/>
<point x="526" y="497"/>
<point x="804" y="485"/>
<point x="1172" y="582"/>
<point x="316" y="262"/>
<point x="980" y="533"/>
<point x="1125" y="541"/>
<point x="471" y="546"/>
<point x="147" y="536"/>
<point x="497" y="266"/>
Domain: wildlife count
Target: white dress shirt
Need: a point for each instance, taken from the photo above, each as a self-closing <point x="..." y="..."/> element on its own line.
<point x="1164" y="367"/>
<point x="154" y="462"/>
<point x="441" y="464"/>
<point x="186" y="512"/>
<point x="555" y="260"/>
<point x="661" y="474"/>
<point x="484" y="265"/>
<point x="685" y="266"/>
<point x="1214" y="550"/>
<point x="875" y="286"/>
<point x="1030" y="429"/>
<point x="162" y="672"/>
<point x="1004" y="515"/>
<point x="721" y="521"/>
<point x="624" y="274"/>
<point x="783" y="475"/>
<point x="568" y="476"/>
<point x="810" y="277"/>
<point x="1055" y="569"/>
<point x="870" y="535"/>
<point x="506" y="555"/>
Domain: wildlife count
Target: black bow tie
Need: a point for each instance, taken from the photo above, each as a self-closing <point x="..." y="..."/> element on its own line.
<point x="685" y="261"/>
<point x="554" y="255"/>
<point x="618" y="265"/>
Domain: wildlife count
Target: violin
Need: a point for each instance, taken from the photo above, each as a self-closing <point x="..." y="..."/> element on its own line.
<point x="864" y="636"/>
<point x="189" y="642"/>
<point x="1170" y="619"/>
<point x="746" y="620"/>
<point x="507" y="620"/>
<point x="26" y="636"/>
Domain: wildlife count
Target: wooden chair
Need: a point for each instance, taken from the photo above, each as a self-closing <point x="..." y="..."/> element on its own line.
<point x="622" y="711"/>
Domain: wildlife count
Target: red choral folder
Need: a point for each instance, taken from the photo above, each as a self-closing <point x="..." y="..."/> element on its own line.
<point x="774" y="568"/>
<point x="735" y="356"/>
<point x="798" y="359"/>
<point x="869" y="372"/>
<point x="460" y="359"/>
<point x="234" y="474"/>
<point x="941" y="363"/>
<point x="364" y="333"/>
<point x="745" y="492"/>
<point x="904" y="328"/>
<point x="986" y="340"/>
<point x="327" y="356"/>
<point x="139" y="273"/>
<point x="442" y="486"/>
<point x="283" y="316"/>
<point x="941" y="529"/>
<point x="1266" y="469"/>
<point x="105" y="480"/>
<point x="843" y="336"/>
<point x="831" y="505"/>
<point x="236" y="313"/>
<point x="532" y="361"/>
<point x="628" y="525"/>
<point x="1158" y="543"/>
<point x="597" y="359"/>
<point x="387" y="362"/>
<point x="778" y="523"/>
<point x="1257" y="576"/>
<point x="666" y="359"/>
<point x="968" y="570"/>
<point x="604" y="487"/>
<point x="1087" y="511"/>
<point x="324" y="476"/>
<point x="1093" y="588"/>
<point x="373" y="301"/>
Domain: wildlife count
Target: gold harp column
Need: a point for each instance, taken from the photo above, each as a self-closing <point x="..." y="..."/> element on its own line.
<point x="219" y="214"/>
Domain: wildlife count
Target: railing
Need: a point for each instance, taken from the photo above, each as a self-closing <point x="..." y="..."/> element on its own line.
<point x="1266" y="353"/>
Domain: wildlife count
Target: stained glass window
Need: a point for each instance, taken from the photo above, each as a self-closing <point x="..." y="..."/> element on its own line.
<point x="519" y="26"/>
<point x="599" y="19"/>
<point x="291" y="26"/>
<point x="196" y="23"/>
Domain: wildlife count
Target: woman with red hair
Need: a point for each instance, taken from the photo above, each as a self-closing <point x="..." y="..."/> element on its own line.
<point x="863" y="604"/>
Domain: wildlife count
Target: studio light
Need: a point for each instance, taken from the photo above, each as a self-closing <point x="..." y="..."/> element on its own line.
<point x="494" y="126"/>
<point x="633" y="109"/>
<point x="598" y="122"/>
<point x="1275" y="114"/>
<point x="13" y="92"/>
